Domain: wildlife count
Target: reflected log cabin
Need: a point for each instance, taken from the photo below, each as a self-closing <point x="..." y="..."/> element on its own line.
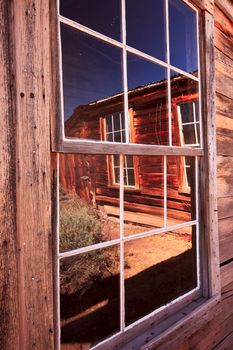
<point x="95" y="178"/>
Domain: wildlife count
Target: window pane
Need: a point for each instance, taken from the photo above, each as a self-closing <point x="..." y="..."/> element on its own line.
<point x="147" y="95"/>
<point x="89" y="298"/>
<point x="186" y="111"/>
<point x="184" y="91"/>
<point x="158" y="269"/>
<point x="103" y="16"/>
<point x="144" y="207"/>
<point x="145" y="26"/>
<point x="183" y="36"/>
<point x="89" y="208"/>
<point x="181" y="199"/>
<point x="189" y="134"/>
<point x="91" y="72"/>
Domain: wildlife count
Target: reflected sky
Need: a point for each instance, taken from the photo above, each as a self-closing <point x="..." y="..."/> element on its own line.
<point x="91" y="69"/>
<point x="145" y="26"/>
<point x="183" y="36"/>
<point x="103" y="15"/>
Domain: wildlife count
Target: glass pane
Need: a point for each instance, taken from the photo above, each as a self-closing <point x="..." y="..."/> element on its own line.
<point x="158" y="269"/>
<point x="109" y="126"/>
<point x="116" y="121"/>
<point x="184" y="93"/>
<point x="147" y="84"/>
<point x="181" y="199"/>
<point x="183" y="36"/>
<point x="89" y="298"/>
<point x="145" y="26"/>
<point x="103" y="16"/>
<point x="91" y="75"/>
<point x="189" y="134"/>
<point x="131" y="179"/>
<point x="89" y="206"/>
<point x="144" y="207"/>
<point x="186" y="112"/>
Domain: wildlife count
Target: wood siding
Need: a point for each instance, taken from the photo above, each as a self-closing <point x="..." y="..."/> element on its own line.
<point x="26" y="298"/>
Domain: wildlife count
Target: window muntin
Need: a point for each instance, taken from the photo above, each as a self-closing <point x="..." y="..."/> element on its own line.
<point x="112" y="104"/>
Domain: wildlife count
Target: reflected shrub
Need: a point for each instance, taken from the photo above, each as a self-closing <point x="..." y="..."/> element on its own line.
<point x="80" y="226"/>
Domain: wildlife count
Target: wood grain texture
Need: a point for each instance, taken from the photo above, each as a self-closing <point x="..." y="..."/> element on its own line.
<point x="226" y="7"/>
<point x="226" y="239"/>
<point x="225" y="207"/>
<point x="208" y="165"/>
<point x="226" y="275"/>
<point x="31" y="41"/>
<point x="9" y="310"/>
<point x="226" y="344"/>
<point x="225" y="176"/>
<point x="224" y="105"/>
<point x="207" y="5"/>
<point x="223" y="32"/>
<point x="224" y="74"/>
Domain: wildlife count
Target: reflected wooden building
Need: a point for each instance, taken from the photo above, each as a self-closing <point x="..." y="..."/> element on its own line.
<point x="95" y="178"/>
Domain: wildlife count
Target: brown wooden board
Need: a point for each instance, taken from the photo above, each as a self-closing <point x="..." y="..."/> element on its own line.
<point x="9" y="308"/>
<point x="32" y="84"/>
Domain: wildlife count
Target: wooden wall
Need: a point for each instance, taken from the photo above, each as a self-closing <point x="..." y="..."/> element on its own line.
<point x="26" y="306"/>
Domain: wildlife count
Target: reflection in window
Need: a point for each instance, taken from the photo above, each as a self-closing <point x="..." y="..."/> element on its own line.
<point x="103" y="15"/>
<point x="115" y="132"/>
<point x="89" y="297"/>
<point x="158" y="269"/>
<point x="91" y="71"/>
<point x="145" y="27"/>
<point x="161" y="211"/>
<point x="85" y="201"/>
<point x="99" y="80"/>
<point x="189" y="122"/>
<point x="183" y="36"/>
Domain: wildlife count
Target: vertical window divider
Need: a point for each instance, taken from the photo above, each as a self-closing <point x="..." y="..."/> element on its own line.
<point x="197" y="220"/>
<point x="125" y="81"/>
<point x="168" y="73"/>
<point x="195" y="123"/>
<point x="165" y="189"/>
<point x="122" y="277"/>
<point x="199" y="82"/>
<point x="57" y="267"/>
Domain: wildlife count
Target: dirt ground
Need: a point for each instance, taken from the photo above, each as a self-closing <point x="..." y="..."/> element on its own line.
<point x="158" y="269"/>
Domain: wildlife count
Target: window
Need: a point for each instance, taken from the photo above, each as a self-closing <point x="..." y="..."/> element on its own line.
<point x="131" y="137"/>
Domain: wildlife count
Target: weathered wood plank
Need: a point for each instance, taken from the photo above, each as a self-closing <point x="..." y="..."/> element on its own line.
<point x="226" y="344"/>
<point x="202" y="332"/>
<point x="224" y="74"/>
<point x="226" y="7"/>
<point x="224" y="105"/>
<point x="31" y="43"/>
<point x="9" y="310"/>
<point x="207" y="5"/>
<point x="226" y="239"/>
<point x="223" y="32"/>
<point x="226" y="275"/>
<point x="225" y="176"/>
<point x="208" y="165"/>
<point x="224" y="135"/>
<point x="225" y="207"/>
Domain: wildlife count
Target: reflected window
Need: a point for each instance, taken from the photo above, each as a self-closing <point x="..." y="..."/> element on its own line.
<point x="115" y="132"/>
<point x="189" y="123"/>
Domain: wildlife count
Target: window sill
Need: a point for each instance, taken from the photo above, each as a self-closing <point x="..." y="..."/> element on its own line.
<point x="166" y="331"/>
